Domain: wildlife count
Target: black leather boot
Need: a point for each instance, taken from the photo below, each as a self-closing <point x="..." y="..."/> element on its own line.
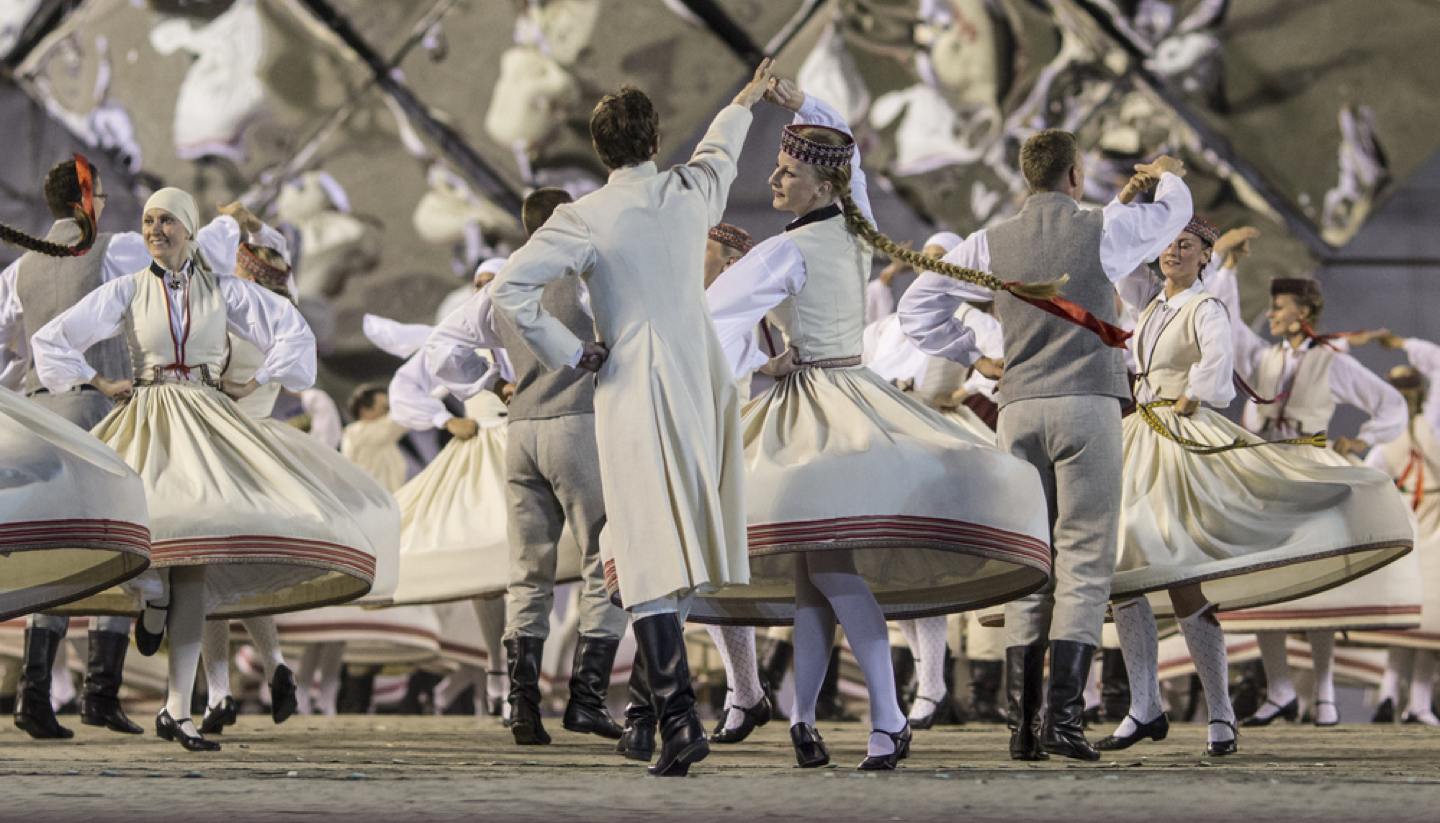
<point x="667" y="671"/>
<point x="903" y="661"/>
<point x="33" y="712"/>
<point x="1025" y="690"/>
<point x="100" y="698"/>
<point x="1114" y="686"/>
<point x="589" y="683"/>
<point x="773" y="665"/>
<point x="828" y="705"/>
<point x="637" y="742"/>
<point x="1065" y="712"/>
<point x="985" y="677"/>
<point x="524" y="654"/>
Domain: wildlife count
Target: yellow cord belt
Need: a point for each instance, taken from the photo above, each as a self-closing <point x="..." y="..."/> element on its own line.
<point x="1147" y="413"/>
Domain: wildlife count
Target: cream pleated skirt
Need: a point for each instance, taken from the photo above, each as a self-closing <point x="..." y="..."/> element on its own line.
<point x="237" y="496"/>
<point x="931" y="516"/>
<point x="400" y="635"/>
<point x="73" y="517"/>
<point x="1427" y="634"/>
<point x="1255" y="526"/>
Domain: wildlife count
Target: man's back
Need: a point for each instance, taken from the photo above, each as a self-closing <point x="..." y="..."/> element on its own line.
<point x="1046" y="356"/>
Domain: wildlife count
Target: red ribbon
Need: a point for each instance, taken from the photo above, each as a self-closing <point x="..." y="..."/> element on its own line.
<point x="1254" y="395"/>
<point x="85" y="176"/>
<point x="1068" y="310"/>
<point x="1416" y="465"/>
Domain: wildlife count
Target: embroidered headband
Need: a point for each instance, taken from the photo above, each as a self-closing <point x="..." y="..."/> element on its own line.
<point x="802" y="148"/>
<point x="272" y="277"/>
<point x="732" y="237"/>
<point x="1203" y="229"/>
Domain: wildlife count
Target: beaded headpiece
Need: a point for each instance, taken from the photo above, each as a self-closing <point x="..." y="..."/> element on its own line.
<point x="274" y="278"/>
<point x="732" y="237"/>
<point x="795" y="144"/>
<point x="1203" y="229"/>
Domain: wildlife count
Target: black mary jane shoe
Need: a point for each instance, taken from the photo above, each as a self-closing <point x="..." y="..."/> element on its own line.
<point x="810" y="751"/>
<point x="1156" y="730"/>
<point x="1290" y="711"/>
<point x="146" y="641"/>
<point x="167" y="729"/>
<point x="888" y="762"/>
<point x="757" y="715"/>
<point x="218" y="717"/>
<point x="928" y="721"/>
<point x="1220" y="748"/>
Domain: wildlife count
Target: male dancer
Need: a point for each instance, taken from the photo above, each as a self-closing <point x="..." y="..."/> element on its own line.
<point x="43" y="288"/>
<point x="1059" y="408"/>
<point x="553" y="479"/>
<point x="666" y="411"/>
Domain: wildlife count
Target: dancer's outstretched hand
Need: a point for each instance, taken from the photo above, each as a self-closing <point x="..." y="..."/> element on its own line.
<point x="1234" y="245"/>
<point x="1162" y="164"/>
<point x="785" y="92"/>
<point x="757" y="86"/>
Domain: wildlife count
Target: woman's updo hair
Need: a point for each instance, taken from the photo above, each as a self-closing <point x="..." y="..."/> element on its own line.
<point x="625" y="128"/>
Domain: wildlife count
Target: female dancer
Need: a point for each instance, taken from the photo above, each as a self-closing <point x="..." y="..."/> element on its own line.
<point x="1202" y="504"/>
<point x="863" y="504"/>
<point x="241" y="525"/>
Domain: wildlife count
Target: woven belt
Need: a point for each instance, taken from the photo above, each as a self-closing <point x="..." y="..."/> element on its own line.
<point x="1147" y="413"/>
<point x="82" y="388"/>
<point x="160" y="375"/>
<point x="830" y="363"/>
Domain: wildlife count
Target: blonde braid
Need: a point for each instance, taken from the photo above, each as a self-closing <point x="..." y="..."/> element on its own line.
<point x="861" y="227"/>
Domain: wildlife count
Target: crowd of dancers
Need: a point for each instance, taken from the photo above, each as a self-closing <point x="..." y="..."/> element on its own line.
<point x="695" y="427"/>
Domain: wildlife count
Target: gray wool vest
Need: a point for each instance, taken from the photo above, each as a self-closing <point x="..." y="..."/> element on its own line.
<point x="1046" y="356"/>
<point x="47" y="286"/>
<point x="542" y="393"/>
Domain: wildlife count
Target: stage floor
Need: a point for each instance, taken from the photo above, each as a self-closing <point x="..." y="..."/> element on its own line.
<point x="394" y="768"/>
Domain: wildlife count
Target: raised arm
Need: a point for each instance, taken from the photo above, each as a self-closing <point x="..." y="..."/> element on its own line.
<point x="59" y="346"/>
<point x="927" y="309"/>
<point x="450" y="348"/>
<point x="1134" y="233"/>
<point x="712" y="167"/>
<point x="275" y="327"/>
<point x="740" y="297"/>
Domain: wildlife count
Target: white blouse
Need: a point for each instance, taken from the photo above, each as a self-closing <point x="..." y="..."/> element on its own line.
<point x="1132" y="234"/>
<point x="774" y="269"/>
<point x="252" y="313"/>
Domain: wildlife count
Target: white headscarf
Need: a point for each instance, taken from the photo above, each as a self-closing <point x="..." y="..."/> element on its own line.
<point x="179" y="203"/>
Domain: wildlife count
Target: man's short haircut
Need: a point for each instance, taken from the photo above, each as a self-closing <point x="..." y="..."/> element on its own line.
<point x="539" y="205"/>
<point x="1046" y="158"/>
<point x="624" y="128"/>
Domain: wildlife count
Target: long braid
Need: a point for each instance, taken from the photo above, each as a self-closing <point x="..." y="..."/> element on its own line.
<point x="865" y="230"/>
<point x="16" y="237"/>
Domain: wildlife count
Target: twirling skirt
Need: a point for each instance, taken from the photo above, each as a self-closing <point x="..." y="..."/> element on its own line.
<point x="231" y="494"/>
<point x="73" y="518"/>
<point x="400" y="635"/>
<point x="935" y="520"/>
<point x="1427" y="635"/>
<point x="1255" y="526"/>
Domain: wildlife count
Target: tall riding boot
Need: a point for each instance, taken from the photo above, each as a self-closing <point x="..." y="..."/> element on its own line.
<point x="1025" y="689"/>
<point x="773" y="665"/>
<point x="903" y="661"/>
<point x="589" y="683"/>
<point x="682" y="737"/>
<point x="524" y="654"/>
<point x="950" y="713"/>
<point x="637" y="742"/>
<point x="828" y="705"/>
<point x="100" y="699"/>
<point x="33" y="712"/>
<point x="1065" y="715"/>
<point x="985" y="677"/>
<point x="1114" y="685"/>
